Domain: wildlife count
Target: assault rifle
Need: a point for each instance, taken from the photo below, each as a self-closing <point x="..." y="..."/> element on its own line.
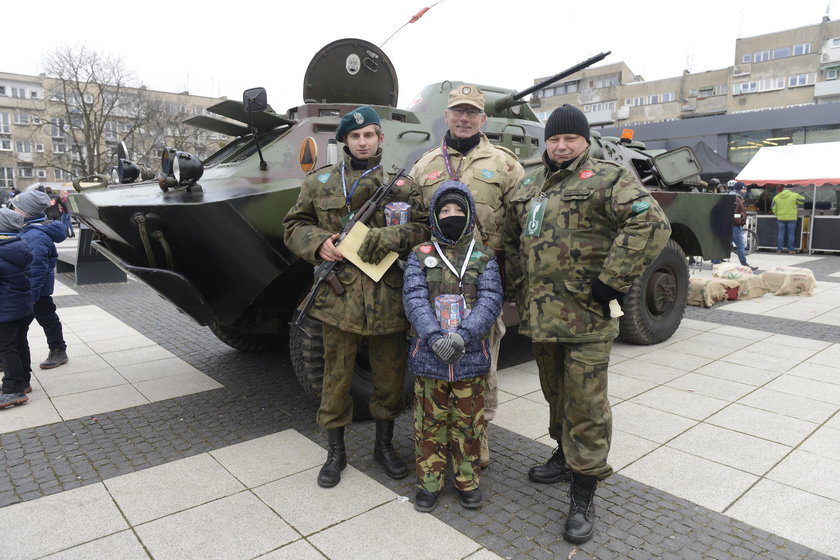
<point x="325" y="272"/>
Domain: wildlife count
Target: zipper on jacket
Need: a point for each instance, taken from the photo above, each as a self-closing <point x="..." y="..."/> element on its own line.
<point x="451" y="373"/>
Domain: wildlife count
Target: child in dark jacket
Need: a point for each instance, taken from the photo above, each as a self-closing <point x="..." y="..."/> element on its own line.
<point x="41" y="234"/>
<point x="450" y="364"/>
<point x="15" y="309"/>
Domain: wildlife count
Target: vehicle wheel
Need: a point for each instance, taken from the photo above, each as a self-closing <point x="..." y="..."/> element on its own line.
<point x="655" y="303"/>
<point x="307" y="354"/>
<point x="750" y="241"/>
<point x="244" y="341"/>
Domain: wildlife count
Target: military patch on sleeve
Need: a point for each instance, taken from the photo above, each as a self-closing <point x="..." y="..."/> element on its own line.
<point x="476" y="255"/>
<point x="400" y="182"/>
<point x="323" y="177"/>
<point x="426" y="249"/>
<point x="586" y="174"/>
<point x="430" y="262"/>
<point x="487" y="173"/>
<point x="640" y="206"/>
<point x="434" y="175"/>
<point x="527" y="181"/>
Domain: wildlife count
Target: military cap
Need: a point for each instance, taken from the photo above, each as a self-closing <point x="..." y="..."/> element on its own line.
<point x="466" y="95"/>
<point x="357" y="118"/>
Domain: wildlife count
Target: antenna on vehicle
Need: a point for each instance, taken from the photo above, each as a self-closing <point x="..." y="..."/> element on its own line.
<point x="413" y="19"/>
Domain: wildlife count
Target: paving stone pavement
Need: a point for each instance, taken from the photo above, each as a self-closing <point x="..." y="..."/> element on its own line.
<point x="261" y="397"/>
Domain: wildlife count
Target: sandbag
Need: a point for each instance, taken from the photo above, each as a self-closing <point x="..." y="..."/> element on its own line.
<point x="706" y="292"/>
<point x="790" y="280"/>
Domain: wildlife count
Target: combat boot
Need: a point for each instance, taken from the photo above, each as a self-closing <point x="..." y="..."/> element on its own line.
<point x="580" y="523"/>
<point x="554" y="470"/>
<point x="384" y="452"/>
<point x="330" y="473"/>
<point x="56" y="358"/>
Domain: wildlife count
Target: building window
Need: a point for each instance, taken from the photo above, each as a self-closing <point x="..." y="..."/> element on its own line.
<point x="801" y="80"/>
<point x="771" y="84"/>
<point x="835" y="43"/>
<point x="704" y="92"/>
<point x="26" y="172"/>
<point x="61" y="175"/>
<point x="744" y="87"/>
<point x="88" y="98"/>
<point x="831" y="74"/>
<point x="7" y="177"/>
<point x="654" y="99"/>
<point x="3" y="92"/>
<point x="5" y="128"/>
<point x="667" y="97"/>
<point x="804" y="48"/>
<point x="57" y="128"/>
<point x="59" y="148"/>
<point x="21" y="118"/>
<point x="639" y="101"/>
<point x="720" y="89"/>
<point x="692" y="92"/>
<point x="781" y="52"/>
<point x="34" y="95"/>
<point x="23" y="147"/>
<point x="762" y="56"/>
<point x="746" y="59"/>
<point x="19" y="93"/>
<point x="41" y="174"/>
<point x="5" y="145"/>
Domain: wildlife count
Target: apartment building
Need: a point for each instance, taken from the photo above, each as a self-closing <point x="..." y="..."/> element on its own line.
<point x="782" y="88"/>
<point x="37" y="137"/>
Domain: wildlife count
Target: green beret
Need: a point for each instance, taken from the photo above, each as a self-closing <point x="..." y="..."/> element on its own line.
<point x="357" y="118"/>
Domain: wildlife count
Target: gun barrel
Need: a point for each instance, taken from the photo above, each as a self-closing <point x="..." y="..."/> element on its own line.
<point x="508" y="100"/>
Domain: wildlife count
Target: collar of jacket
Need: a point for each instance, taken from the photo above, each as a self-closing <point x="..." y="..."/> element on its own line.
<point x="554" y="177"/>
<point x="373" y="161"/>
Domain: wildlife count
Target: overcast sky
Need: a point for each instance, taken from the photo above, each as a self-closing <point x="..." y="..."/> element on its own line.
<point x="222" y="48"/>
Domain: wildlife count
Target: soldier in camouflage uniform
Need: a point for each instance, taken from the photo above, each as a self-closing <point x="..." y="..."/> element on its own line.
<point x="578" y="232"/>
<point x="450" y="363"/>
<point x="491" y="173"/>
<point x="367" y="309"/>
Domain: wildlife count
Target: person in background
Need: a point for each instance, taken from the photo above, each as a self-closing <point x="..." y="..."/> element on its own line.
<point x="784" y="207"/>
<point x="41" y="235"/>
<point x="15" y="310"/>
<point x="739" y="189"/>
<point x="66" y="216"/>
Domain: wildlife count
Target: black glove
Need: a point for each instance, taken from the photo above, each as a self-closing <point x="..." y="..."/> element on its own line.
<point x="378" y="243"/>
<point x="604" y="294"/>
<point x="449" y="348"/>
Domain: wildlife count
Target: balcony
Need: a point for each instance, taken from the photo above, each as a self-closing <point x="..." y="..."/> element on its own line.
<point x="826" y="89"/>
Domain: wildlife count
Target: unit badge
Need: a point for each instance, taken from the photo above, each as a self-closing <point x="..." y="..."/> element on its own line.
<point x="425" y="249"/>
<point x="586" y="174"/>
<point x="323" y="177"/>
<point x="430" y="262"/>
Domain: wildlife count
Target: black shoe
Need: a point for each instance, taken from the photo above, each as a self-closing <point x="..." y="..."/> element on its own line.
<point x="384" y="452"/>
<point x="580" y="523"/>
<point x="56" y="358"/>
<point x="554" y="470"/>
<point x="425" y="501"/>
<point x="330" y="473"/>
<point x="471" y="499"/>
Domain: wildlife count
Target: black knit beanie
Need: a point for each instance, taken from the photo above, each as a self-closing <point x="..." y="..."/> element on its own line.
<point x="567" y="120"/>
<point x="452" y="196"/>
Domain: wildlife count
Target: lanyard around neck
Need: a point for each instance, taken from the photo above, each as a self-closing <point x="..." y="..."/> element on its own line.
<point x="454" y="175"/>
<point x="451" y="266"/>
<point x="349" y="197"/>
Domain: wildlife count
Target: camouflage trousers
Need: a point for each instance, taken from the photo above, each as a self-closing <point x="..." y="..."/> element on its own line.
<point x="387" y="358"/>
<point x="448" y="417"/>
<point x="573" y="378"/>
<point x="491" y="395"/>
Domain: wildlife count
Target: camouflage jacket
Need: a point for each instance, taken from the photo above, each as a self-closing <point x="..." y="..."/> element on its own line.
<point x="366" y="307"/>
<point x="598" y="223"/>
<point x="491" y="172"/>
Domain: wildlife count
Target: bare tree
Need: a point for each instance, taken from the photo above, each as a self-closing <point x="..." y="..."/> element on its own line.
<point x="86" y="96"/>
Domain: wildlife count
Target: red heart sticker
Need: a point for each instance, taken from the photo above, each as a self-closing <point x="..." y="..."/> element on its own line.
<point x="586" y="174"/>
<point x="426" y="249"/>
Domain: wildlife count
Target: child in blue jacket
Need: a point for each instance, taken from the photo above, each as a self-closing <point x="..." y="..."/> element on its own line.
<point x="450" y="364"/>
<point x="15" y="309"/>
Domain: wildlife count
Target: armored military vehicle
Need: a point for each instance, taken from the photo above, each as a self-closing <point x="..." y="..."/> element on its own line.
<point x="208" y="236"/>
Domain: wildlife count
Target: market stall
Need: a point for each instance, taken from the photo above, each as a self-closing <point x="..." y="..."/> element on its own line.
<point x="810" y="166"/>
